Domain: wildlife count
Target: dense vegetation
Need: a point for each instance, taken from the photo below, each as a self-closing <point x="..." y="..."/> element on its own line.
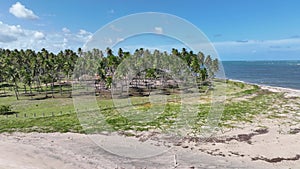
<point x="42" y="71"/>
<point x="35" y="69"/>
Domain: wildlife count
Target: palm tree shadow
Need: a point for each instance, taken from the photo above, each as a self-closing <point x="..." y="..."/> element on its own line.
<point x="41" y="98"/>
<point x="5" y="95"/>
<point x="10" y="113"/>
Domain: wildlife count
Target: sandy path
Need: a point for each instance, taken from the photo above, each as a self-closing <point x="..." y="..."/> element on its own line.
<point x="69" y="150"/>
<point x="77" y="151"/>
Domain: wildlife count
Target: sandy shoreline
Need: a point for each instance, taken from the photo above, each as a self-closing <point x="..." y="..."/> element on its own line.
<point x="265" y="143"/>
<point x="288" y="91"/>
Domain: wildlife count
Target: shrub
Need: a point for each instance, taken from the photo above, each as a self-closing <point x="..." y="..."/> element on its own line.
<point x="5" y="109"/>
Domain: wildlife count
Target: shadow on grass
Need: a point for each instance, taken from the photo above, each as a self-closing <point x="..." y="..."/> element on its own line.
<point x="41" y="98"/>
<point x="5" y="95"/>
<point x="8" y="113"/>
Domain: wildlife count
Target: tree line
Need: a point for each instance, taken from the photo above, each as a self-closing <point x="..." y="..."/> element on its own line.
<point x="35" y="69"/>
<point x="41" y="70"/>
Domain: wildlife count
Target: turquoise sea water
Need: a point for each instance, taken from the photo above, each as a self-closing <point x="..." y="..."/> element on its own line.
<point x="273" y="73"/>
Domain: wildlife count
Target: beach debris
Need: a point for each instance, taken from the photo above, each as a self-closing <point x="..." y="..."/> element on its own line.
<point x="277" y="159"/>
<point x="176" y="164"/>
<point x="295" y="131"/>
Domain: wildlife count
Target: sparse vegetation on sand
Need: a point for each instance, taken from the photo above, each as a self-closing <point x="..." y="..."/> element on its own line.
<point x="244" y="104"/>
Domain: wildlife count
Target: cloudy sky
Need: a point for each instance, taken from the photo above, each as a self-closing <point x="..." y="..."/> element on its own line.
<point x="239" y="30"/>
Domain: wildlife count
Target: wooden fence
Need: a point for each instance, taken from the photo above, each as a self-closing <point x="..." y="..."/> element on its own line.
<point x="38" y="115"/>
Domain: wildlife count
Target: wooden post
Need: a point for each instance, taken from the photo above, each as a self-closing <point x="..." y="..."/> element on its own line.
<point x="43" y="114"/>
<point x="25" y="115"/>
<point x="175" y="161"/>
<point x="34" y="114"/>
<point x="16" y="115"/>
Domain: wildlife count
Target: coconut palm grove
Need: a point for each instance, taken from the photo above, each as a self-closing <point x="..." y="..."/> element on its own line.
<point x="43" y="74"/>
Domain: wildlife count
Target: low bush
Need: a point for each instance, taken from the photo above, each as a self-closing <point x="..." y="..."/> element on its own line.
<point x="5" y="109"/>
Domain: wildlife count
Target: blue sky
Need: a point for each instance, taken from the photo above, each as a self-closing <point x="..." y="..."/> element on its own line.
<point x="239" y="30"/>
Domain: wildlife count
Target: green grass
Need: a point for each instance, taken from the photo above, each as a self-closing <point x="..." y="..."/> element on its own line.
<point x="121" y="118"/>
<point x="243" y="110"/>
<point x="138" y="122"/>
<point x="63" y="123"/>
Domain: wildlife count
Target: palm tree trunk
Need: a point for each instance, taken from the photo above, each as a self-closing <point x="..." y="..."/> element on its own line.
<point x="30" y="88"/>
<point x="60" y="86"/>
<point x="16" y="93"/>
<point x="16" y="90"/>
<point x="36" y="86"/>
<point x="46" y="90"/>
<point x="25" y="89"/>
<point x="39" y="86"/>
<point x="52" y="88"/>
<point x="70" y="92"/>
<point x="4" y="90"/>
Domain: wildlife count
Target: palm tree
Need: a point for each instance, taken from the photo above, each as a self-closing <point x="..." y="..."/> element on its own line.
<point x="28" y="68"/>
<point x="215" y="66"/>
<point x="45" y="69"/>
<point x="175" y="52"/>
<point x="61" y="57"/>
<point x="79" y="51"/>
<point x="120" y="53"/>
<point x="109" y="52"/>
<point x="201" y="58"/>
<point x="11" y="65"/>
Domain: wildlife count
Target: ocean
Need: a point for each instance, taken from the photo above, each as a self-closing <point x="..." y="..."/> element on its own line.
<point x="272" y="73"/>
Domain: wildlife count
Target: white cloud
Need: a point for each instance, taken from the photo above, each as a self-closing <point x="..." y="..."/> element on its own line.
<point x="20" y="11"/>
<point x="9" y="33"/>
<point x="15" y="37"/>
<point x="83" y="35"/>
<point x="158" y="30"/>
<point x="39" y="35"/>
<point x="66" y="30"/>
<point x="7" y="38"/>
<point x="83" y="32"/>
<point x="65" y="43"/>
<point x="66" y="40"/>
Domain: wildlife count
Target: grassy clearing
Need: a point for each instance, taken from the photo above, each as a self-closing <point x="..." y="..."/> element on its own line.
<point x="63" y="123"/>
<point x="163" y="116"/>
